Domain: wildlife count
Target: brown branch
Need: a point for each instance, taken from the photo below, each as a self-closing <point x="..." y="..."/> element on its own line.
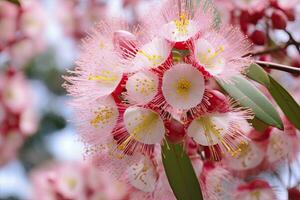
<point x="268" y="51"/>
<point x="280" y="67"/>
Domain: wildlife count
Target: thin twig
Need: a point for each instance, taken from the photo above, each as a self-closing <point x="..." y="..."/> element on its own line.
<point x="268" y="51"/>
<point x="293" y="41"/>
<point x="280" y="67"/>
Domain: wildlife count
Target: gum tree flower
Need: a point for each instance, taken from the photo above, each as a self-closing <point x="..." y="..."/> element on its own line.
<point x="132" y="85"/>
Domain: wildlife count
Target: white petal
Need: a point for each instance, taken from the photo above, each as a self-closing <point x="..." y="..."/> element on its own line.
<point x="279" y="146"/>
<point x="142" y="87"/>
<point x="142" y="175"/>
<point x="105" y="115"/>
<point x="175" y="33"/>
<point x="144" y="125"/>
<point x="210" y="57"/>
<point x="249" y="157"/>
<point x="152" y="54"/>
<point x="105" y="80"/>
<point x="209" y="130"/>
<point x="183" y="86"/>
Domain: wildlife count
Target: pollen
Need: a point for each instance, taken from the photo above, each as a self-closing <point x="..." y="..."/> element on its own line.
<point x="145" y="86"/>
<point x="183" y="87"/>
<point x="139" y="130"/>
<point x="154" y="59"/>
<point x="210" y="128"/>
<point x="105" y="76"/>
<point x="208" y="59"/>
<point x="182" y="24"/>
<point x="103" y="116"/>
<point x="277" y="145"/>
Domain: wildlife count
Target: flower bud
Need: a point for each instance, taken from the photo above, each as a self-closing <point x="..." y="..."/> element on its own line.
<point x="279" y="19"/>
<point x="175" y="131"/>
<point x="294" y="194"/>
<point x="218" y="102"/>
<point x="258" y="37"/>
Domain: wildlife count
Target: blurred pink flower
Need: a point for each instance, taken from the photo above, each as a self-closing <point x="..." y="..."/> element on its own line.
<point x="18" y="119"/>
<point x="76" y="181"/>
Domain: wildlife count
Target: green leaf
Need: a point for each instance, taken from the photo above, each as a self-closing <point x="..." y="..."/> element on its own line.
<point x="259" y="125"/>
<point x="286" y="102"/>
<point x="258" y="74"/>
<point x="180" y="172"/>
<point x="17" y="2"/>
<point x="282" y="97"/>
<point x="249" y="96"/>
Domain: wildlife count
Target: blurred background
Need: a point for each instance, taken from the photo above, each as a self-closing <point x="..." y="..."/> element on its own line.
<point x="39" y="41"/>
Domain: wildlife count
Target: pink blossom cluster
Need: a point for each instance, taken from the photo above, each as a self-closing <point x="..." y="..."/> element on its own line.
<point x="218" y="183"/>
<point x="75" y="181"/>
<point x="21" y="35"/>
<point x="18" y="119"/>
<point x="135" y="87"/>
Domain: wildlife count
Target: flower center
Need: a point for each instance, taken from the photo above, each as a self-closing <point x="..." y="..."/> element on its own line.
<point x="183" y="87"/>
<point x="103" y="116"/>
<point x="210" y="127"/>
<point x="182" y="23"/>
<point x="208" y="58"/>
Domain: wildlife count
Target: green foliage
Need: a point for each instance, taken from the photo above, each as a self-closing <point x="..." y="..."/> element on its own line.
<point x="180" y="172"/>
<point x="250" y="97"/>
<point x="282" y="97"/>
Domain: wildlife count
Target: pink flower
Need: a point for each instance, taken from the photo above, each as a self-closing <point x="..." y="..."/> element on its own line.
<point x="131" y="83"/>
<point x="17" y="116"/>
<point x="255" y="190"/>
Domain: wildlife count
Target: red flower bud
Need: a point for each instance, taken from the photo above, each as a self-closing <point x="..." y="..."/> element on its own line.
<point x="294" y="194"/>
<point x="279" y="19"/>
<point x="218" y="102"/>
<point x="258" y="37"/>
<point x="175" y="131"/>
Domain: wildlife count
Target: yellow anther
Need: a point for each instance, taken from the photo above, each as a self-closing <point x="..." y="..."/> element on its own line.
<point x="183" y="87"/>
<point x="140" y="129"/>
<point x="105" y="76"/>
<point x="103" y="115"/>
<point x="154" y="59"/>
<point x="208" y="59"/>
<point x="182" y="23"/>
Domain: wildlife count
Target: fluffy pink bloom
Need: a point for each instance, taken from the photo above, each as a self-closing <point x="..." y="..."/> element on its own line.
<point x="75" y="181"/>
<point x="218" y="49"/>
<point x="17" y="116"/>
<point x="217" y="183"/>
<point x="180" y="21"/>
<point x="255" y="190"/>
<point x="130" y="83"/>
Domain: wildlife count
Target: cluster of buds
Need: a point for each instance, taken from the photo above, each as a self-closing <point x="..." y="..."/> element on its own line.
<point x="17" y="117"/>
<point x="21" y="30"/>
<point x="271" y="13"/>
<point x="133" y="88"/>
<point x="75" y="181"/>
